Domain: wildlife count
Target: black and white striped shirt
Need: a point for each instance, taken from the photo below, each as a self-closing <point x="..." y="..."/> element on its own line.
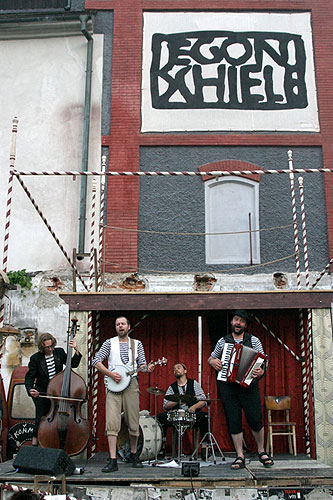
<point x="255" y="342"/>
<point x="105" y="350"/>
<point x="198" y="391"/>
<point x="50" y="364"/>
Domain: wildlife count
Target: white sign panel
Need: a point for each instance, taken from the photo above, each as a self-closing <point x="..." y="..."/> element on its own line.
<point x="205" y="71"/>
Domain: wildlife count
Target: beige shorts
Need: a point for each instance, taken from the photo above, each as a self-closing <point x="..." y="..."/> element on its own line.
<point x="128" y="401"/>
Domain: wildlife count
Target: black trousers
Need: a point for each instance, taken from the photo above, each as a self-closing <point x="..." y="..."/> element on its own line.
<point x="201" y="422"/>
<point x="42" y="406"/>
<point x="235" y="399"/>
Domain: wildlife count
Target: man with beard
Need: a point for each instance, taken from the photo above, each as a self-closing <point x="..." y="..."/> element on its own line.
<point x="129" y="353"/>
<point x="196" y="396"/>
<point x="236" y="398"/>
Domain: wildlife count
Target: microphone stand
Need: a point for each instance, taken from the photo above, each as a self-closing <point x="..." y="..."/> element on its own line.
<point x="211" y="438"/>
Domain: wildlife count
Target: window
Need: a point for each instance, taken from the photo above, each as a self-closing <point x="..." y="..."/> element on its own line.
<point x="21" y="406"/>
<point x="232" y="206"/>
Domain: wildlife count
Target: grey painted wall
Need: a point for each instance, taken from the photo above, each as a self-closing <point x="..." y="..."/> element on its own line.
<point x="176" y="204"/>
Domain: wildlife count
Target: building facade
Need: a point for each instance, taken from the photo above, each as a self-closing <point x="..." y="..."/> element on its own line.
<point x="242" y="89"/>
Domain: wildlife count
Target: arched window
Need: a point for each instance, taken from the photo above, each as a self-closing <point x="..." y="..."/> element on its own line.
<point x="232" y="208"/>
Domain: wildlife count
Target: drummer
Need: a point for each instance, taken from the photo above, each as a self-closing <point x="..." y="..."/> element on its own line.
<point x="186" y="394"/>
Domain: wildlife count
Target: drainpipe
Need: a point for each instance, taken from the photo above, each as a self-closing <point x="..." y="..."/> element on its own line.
<point x="86" y="130"/>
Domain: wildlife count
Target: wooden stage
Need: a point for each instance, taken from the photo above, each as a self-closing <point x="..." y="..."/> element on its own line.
<point x="288" y="473"/>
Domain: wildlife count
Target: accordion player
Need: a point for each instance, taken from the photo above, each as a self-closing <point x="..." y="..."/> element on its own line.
<point x="238" y="363"/>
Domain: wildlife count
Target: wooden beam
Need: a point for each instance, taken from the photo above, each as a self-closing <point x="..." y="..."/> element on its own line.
<point x="197" y="301"/>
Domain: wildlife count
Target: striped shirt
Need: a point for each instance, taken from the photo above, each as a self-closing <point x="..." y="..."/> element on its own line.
<point x="198" y="391"/>
<point x="105" y="350"/>
<point x="255" y="342"/>
<point x="50" y="364"/>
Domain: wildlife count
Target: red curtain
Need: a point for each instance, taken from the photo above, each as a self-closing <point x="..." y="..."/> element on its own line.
<point x="175" y="336"/>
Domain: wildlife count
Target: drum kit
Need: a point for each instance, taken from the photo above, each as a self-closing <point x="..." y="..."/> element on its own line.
<point x="183" y="419"/>
<point x="151" y="435"/>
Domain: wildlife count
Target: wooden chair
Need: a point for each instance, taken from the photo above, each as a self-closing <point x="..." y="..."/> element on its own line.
<point x="281" y="427"/>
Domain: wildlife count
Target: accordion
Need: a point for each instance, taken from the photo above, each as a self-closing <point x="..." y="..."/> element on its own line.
<point x="238" y="363"/>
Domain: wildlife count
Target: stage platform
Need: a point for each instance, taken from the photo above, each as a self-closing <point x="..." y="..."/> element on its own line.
<point x="287" y="474"/>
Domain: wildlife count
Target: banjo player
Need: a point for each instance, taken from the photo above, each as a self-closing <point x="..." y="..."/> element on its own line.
<point x="122" y="353"/>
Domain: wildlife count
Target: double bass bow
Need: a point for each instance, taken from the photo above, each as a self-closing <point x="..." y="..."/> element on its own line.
<point x="64" y="427"/>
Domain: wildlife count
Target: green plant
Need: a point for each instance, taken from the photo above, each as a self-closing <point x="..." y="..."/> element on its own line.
<point x="21" y="278"/>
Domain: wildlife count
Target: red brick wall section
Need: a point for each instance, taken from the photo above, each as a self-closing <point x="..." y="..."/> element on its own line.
<point x="322" y="25"/>
<point x="123" y="193"/>
<point x="125" y="139"/>
<point x="229" y="166"/>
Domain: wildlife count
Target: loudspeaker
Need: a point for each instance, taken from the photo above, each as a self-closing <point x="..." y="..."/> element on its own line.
<point x="49" y="461"/>
<point x="190" y="469"/>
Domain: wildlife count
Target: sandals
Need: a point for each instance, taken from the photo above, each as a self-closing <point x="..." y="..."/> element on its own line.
<point x="238" y="463"/>
<point x="268" y="461"/>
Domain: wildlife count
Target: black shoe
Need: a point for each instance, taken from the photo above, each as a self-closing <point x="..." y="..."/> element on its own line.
<point x="134" y="460"/>
<point x="111" y="465"/>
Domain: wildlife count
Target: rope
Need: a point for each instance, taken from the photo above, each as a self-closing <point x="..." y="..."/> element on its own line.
<point x="261" y="323"/>
<point x="168" y="233"/>
<point x="324" y="271"/>
<point x="115" y="264"/>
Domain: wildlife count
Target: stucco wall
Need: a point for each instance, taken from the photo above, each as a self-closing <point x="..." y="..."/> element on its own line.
<point x="44" y="86"/>
<point x="176" y="204"/>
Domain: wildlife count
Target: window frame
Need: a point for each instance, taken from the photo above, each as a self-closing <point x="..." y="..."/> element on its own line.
<point x="255" y="223"/>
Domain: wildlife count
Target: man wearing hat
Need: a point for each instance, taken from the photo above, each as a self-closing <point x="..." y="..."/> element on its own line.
<point x="236" y="398"/>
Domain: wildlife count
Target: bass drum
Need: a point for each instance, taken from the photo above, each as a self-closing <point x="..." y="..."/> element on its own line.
<point x="149" y="442"/>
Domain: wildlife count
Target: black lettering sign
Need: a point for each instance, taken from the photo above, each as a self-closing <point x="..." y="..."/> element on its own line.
<point x="252" y="71"/>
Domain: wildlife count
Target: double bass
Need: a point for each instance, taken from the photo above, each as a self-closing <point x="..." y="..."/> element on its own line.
<point x="64" y="427"/>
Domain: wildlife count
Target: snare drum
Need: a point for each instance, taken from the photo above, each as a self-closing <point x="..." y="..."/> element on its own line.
<point x="147" y="446"/>
<point x="183" y="417"/>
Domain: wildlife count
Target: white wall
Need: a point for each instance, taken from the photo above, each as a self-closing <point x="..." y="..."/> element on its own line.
<point x="43" y="84"/>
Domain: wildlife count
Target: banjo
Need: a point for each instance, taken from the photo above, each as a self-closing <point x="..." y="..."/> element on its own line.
<point x="126" y="376"/>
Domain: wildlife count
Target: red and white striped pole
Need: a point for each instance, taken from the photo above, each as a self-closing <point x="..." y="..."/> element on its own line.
<point x="12" y="157"/>
<point x="101" y="225"/>
<point x="98" y="314"/>
<point x="91" y="281"/>
<point x="305" y="243"/>
<point x="51" y="231"/>
<point x="93" y="278"/>
<point x="91" y="286"/>
<point x="293" y="203"/>
<point x="309" y="359"/>
<point x="173" y="173"/>
<point x="301" y="325"/>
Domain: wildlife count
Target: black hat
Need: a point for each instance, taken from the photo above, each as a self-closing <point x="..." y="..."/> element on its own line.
<point x="242" y="313"/>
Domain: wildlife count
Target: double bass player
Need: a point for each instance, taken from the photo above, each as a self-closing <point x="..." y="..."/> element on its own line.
<point x="43" y="366"/>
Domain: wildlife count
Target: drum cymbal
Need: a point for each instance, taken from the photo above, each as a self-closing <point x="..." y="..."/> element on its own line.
<point x="156" y="390"/>
<point x="181" y="398"/>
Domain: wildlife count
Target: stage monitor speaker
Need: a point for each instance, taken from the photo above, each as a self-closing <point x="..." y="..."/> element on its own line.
<point x="190" y="469"/>
<point x="49" y="461"/>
